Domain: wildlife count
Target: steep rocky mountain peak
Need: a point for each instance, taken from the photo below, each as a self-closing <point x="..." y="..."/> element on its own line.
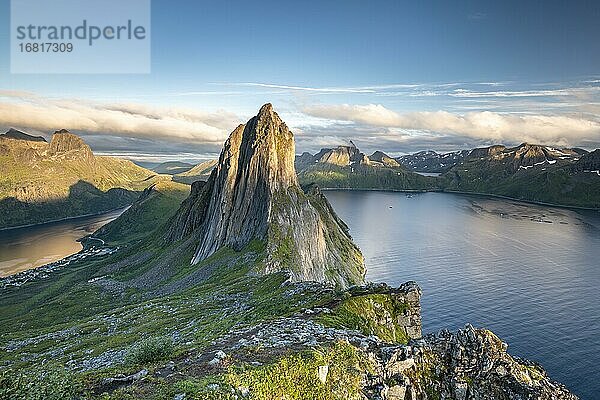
<point x="345" y="155"/>
<point x="67" y="144"/>
<point x="341" y="155"/>
<point x="253" y="194"/>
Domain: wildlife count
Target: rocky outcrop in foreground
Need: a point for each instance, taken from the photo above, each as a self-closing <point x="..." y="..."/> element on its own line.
<point x="467" y="364"/>
<point x="253" y="195"/>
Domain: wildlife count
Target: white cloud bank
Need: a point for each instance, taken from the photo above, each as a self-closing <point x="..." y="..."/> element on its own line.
<point x="26" y="110"/>
<point x="565" y="130"/>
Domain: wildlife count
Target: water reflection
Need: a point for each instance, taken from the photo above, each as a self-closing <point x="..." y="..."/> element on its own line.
<point x="30" y="247"/>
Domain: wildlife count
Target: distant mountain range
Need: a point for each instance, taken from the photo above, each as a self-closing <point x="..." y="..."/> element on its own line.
<point x="16" y="134"/>
<point x="568" y="176"/>
<point x="199" y="172"/>
<point x="430" y="161"/>
<point x="41" y="181"/>
<point x="530" y="172"/>
<point x="347" y="167"/>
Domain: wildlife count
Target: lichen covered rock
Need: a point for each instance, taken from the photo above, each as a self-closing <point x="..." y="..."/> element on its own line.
<point x="467" y="364"/>
<point x="391" y="314"/>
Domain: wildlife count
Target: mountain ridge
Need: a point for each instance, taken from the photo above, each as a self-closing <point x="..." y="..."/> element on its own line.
<point x="20" y="135"/>
<point x="41" y="181"/>
<point x="527" y="172"/>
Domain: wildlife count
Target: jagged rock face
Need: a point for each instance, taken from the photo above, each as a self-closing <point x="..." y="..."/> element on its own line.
<point x="66" y="144"/>
<point x="526" y="155"/>
<point x="468" y="364"/>
<point x="341" y="155"/>
<point x="253" y="194"/>
<point x="344" y="156"/>
<point x="487" y="151"/>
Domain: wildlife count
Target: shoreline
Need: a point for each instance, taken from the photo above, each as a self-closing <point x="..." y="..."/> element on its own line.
<point x="490" y="195"/>
<point x="65" y="219"/>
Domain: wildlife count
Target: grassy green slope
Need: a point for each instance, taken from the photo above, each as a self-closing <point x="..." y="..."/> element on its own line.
<point x="364" y="177"/>
<point x="74" y="316"/>
<point x="555" y="184"/>
<point x="147" y="214"/>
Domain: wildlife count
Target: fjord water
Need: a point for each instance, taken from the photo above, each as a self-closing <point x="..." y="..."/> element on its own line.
<point x="33" y="246"/>
<point x="529" y="273"/>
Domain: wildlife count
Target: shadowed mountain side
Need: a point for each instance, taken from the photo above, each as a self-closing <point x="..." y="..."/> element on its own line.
<point x="16" y="134"/>
<point x="83" y="199"/>
<point x="151" y="209"/>
<point x="528" y="172"/>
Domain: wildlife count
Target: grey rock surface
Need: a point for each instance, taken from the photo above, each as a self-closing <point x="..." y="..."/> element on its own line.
<point x="253" y="194"/>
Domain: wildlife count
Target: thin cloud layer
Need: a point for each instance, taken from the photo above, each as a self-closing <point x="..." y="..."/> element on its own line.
<point x="566" y="130"/>
<point x="27" y="110"/>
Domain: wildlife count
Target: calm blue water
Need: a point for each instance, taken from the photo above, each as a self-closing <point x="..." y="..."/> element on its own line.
<point x="529" y="273"/>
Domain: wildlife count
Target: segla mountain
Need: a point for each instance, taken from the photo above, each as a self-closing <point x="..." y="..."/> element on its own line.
<point x="253" y="194"/>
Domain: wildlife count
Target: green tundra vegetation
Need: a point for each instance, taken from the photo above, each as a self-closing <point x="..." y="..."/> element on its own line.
<point x="141" y="322"/>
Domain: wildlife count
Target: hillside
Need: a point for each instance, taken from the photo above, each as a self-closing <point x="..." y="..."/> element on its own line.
<point x="42" y="181"/>
<point x="172" y="167"/>
<point x="530" y="172"/>
<point x="526" y="172"/>
<point x="16" y="134"/>
<point x="430" y="161"/>
<point x="199" y="172"/>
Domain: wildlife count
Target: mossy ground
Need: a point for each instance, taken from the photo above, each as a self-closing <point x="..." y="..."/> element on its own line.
<point x="364" y="313"/>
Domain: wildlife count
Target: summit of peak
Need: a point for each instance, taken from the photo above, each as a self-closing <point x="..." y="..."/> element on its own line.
<point x="266" y="108"/>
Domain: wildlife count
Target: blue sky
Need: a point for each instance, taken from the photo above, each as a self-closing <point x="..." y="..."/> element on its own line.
<point x="400" y="76"/>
